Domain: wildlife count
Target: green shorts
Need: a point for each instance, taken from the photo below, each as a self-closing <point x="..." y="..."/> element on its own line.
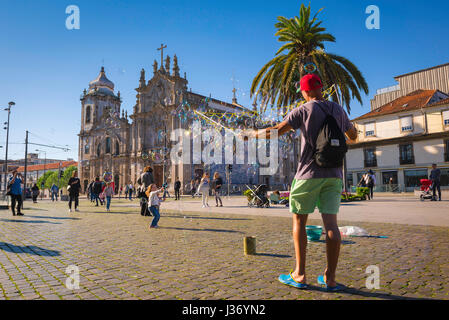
<point x="306" y="195"/>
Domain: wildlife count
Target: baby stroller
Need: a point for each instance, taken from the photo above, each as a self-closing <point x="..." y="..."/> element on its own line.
<point x="426" y="190"/>
<point x="260" y="197"/>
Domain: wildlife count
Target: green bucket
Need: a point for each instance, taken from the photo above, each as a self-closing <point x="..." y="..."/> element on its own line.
<point x="314" y="232"/>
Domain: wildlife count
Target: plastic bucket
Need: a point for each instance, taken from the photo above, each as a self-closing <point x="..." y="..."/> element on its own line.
<point x="314" y="232"/>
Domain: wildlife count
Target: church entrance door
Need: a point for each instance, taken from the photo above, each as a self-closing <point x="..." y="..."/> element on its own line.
<point x="116" y="183"/>
<point x="158" y="175"/>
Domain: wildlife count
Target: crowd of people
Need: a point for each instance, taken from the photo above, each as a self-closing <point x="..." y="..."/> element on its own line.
<point x="101" y="192"/>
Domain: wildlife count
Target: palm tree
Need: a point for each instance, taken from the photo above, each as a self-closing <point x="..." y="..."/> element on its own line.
<point x="304" y="43"/>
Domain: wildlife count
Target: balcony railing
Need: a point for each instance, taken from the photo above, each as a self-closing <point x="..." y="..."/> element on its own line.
<point x="410" y="160"/>
<point x="371" y="163"/>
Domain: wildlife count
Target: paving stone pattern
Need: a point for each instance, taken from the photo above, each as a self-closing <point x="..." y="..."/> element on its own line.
<point x="200" y="256"/>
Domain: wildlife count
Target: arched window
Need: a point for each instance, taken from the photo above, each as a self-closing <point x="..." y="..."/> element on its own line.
<point x="88" y="111"/>
<point x="117" y="148"/>
<point x="108" y="145"/>
<point x="99" y="150"/>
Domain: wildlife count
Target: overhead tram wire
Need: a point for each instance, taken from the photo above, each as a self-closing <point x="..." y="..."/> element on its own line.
<point x="65" y="149"/>
<point x="54" y="146"/>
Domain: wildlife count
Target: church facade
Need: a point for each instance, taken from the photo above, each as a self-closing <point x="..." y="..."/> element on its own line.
<point x="112" y="141"/>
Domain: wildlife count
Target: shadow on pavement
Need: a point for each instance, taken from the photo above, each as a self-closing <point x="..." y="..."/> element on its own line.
<point x="38" y="251"/>
<point x="34" y="209"/>
<point x="29" y="221"/>
<point x="343" y="242"/>
<point x="273" y="255"/>
<point x="211" y="230"/>
<point x="56" y="218"/>
<point x="112" y="212"/>
<point x="367" y="294"/>
<point x="205" y="218"/>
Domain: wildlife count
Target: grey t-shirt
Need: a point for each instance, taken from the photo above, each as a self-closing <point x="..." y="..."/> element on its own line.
<point x="309" y="118"/>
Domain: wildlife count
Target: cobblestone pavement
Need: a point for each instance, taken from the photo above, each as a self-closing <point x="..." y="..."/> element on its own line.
<point x="392" y="209"/>
<point x="200" y="256"/>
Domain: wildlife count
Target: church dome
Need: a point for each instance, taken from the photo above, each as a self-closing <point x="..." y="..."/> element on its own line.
<point x="101" y="83"/>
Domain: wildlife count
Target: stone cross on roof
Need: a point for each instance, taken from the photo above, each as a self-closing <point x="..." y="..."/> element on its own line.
<point x="234" y="98"/>
<point x="162" y="53"/>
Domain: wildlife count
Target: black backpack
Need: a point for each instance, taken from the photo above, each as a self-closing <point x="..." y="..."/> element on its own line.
<point x="330" y="144"/>
<point x="97" y="187"/>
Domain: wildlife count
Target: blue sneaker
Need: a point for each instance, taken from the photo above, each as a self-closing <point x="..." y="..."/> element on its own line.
<point x="288" y="280"/>
<point x="321" y="281"/>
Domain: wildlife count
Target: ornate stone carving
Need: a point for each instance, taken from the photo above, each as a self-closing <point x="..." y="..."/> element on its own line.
<point x="142" y="78"/>
<point x="167" y="65"/>
<point x="175" y="66"/>
<point x="155" y="67"/>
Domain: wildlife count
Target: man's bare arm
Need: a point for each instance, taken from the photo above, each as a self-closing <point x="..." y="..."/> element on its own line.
<point x="282" y="129"/>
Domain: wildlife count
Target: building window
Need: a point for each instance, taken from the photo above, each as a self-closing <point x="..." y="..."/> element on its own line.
<point x="390" y="181"/>
<point x="86" y="149"/>
<point x="446" y="118"/>
<point x="88" y="111"/>
<point x="406" y="154"/>
<point x="350" y="179"/>
<point x="370" y="129"/>
<point x="407" y="124"/>
<point x="99" y="150"/>
<point x="444" y="178"/>
<point x="370" y="157"/>
<point x="117" y="148"/>
<point x="108" y="145"/>
<point x="412" y="178"/>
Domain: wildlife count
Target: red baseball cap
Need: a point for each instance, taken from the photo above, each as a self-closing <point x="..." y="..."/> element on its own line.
<point x="310" y="82"/>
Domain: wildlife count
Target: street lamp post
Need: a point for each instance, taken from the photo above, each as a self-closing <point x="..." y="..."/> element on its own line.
<point x="10" y="104"/>
<point x="163" y="153"/>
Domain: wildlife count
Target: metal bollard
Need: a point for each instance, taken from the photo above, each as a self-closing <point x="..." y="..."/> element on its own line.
<point x="249" y="245"/>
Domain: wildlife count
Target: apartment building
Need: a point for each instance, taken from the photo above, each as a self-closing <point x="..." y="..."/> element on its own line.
<point x="400" y="140"/>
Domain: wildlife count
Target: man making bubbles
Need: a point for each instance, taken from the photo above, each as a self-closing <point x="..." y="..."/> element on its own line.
<point x="318" y="181"/>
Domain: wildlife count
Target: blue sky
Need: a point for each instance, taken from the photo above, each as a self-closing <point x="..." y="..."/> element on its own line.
<point x="44" y="67"/>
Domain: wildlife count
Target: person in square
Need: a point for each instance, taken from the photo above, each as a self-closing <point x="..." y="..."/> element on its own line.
<point x="154" y="203"/>
<point x="319" y="179"/>
<point x="177" y="189"/>
<point x="15" y="191"/>
<point x="435" y="176"/>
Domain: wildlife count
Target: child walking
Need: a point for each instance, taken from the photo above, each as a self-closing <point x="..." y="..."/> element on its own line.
<point x="154" y="203"/>
<point x="108" y="193"/>
<point x="204" y="189"/>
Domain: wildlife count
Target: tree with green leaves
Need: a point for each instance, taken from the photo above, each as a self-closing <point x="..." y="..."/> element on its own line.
<point x="304" y="42"/>
<point x="67" y="175"/>
<point x="45" y="180"/>
<point x="52" y="177"/>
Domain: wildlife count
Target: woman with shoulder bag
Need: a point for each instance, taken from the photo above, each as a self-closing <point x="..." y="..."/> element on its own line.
<point x="15" y="191"/>
<point x="73" y="188"/>
<point x="145" y="180"/>
<point x="204" y="189"/>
